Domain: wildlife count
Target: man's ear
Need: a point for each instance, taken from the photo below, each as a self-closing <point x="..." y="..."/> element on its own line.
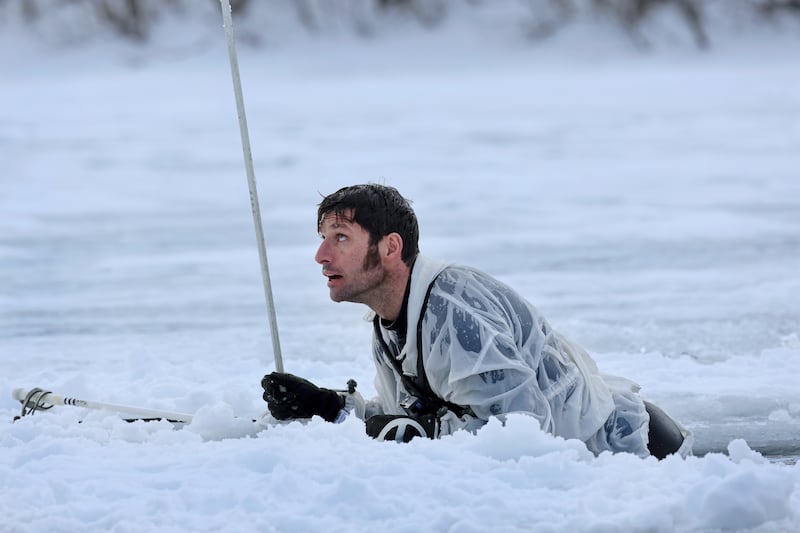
<point x="392" y="247"/>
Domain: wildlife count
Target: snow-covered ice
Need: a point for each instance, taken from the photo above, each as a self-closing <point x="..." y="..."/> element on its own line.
<point x="648" y="204"/>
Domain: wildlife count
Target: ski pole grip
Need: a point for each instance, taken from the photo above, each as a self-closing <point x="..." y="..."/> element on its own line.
<point x="21" y="394"/>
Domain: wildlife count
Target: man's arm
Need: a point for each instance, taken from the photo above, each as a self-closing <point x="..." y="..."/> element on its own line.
<point x="471" y="359"/>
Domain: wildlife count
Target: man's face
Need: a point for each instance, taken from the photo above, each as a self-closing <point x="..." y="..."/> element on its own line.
<point x="352" y="266"/>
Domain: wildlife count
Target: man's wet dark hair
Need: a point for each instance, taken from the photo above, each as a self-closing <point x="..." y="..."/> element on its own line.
<point x="380" y="210"/>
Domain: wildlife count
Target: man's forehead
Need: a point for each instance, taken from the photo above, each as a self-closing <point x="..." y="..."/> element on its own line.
<point x="335" y="220"/>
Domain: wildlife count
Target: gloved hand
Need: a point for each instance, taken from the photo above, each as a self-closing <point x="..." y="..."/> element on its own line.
<point x="289" y="397"/>
<point x="402" y="428"/>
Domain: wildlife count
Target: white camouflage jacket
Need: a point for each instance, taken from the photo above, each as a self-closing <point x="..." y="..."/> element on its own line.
<point x="485" y="348"/>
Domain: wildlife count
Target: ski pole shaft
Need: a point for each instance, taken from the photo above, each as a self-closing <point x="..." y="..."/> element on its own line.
<point x="251" y="181"/>
<point x="51" y="398"/>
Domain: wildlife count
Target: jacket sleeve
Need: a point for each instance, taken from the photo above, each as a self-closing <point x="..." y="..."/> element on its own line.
<point x="472" y="359"/>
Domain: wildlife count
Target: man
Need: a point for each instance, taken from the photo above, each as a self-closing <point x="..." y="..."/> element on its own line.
<point x="453" y="346"/>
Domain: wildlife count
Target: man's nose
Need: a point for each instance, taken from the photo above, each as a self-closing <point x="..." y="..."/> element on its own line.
<point x="322" y="255"/>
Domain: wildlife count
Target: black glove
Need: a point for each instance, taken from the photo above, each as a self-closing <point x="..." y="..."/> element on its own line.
<point x="289" y="397"/>
<point x="408" y="427"/>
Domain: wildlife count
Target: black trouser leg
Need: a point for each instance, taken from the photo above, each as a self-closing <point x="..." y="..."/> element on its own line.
<point x="665" y="435"/>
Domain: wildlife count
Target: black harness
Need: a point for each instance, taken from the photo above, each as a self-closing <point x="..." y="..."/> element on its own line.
<point x="422" y="400"/>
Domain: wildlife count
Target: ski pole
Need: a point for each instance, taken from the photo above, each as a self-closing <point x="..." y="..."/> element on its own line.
<point x="38" y="400"/>
<point x="251" y="181"/>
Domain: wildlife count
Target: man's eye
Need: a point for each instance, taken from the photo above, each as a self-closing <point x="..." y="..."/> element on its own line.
<point x="341" y="237"/>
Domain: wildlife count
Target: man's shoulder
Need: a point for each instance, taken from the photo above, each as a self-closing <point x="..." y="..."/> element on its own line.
<point x="465" y="284"/>
<point x="463" y="274"/>
<point x="476" y="289"/>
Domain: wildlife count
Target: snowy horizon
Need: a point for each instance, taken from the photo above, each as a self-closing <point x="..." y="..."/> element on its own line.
<point x="647" y="202"/>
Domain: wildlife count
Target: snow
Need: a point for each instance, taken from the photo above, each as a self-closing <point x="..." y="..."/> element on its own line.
<point x="647" y="203"/>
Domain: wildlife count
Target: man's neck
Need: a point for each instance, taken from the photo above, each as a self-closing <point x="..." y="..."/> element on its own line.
<point x="392" y="300"/>
<point x="400" y="322"/>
